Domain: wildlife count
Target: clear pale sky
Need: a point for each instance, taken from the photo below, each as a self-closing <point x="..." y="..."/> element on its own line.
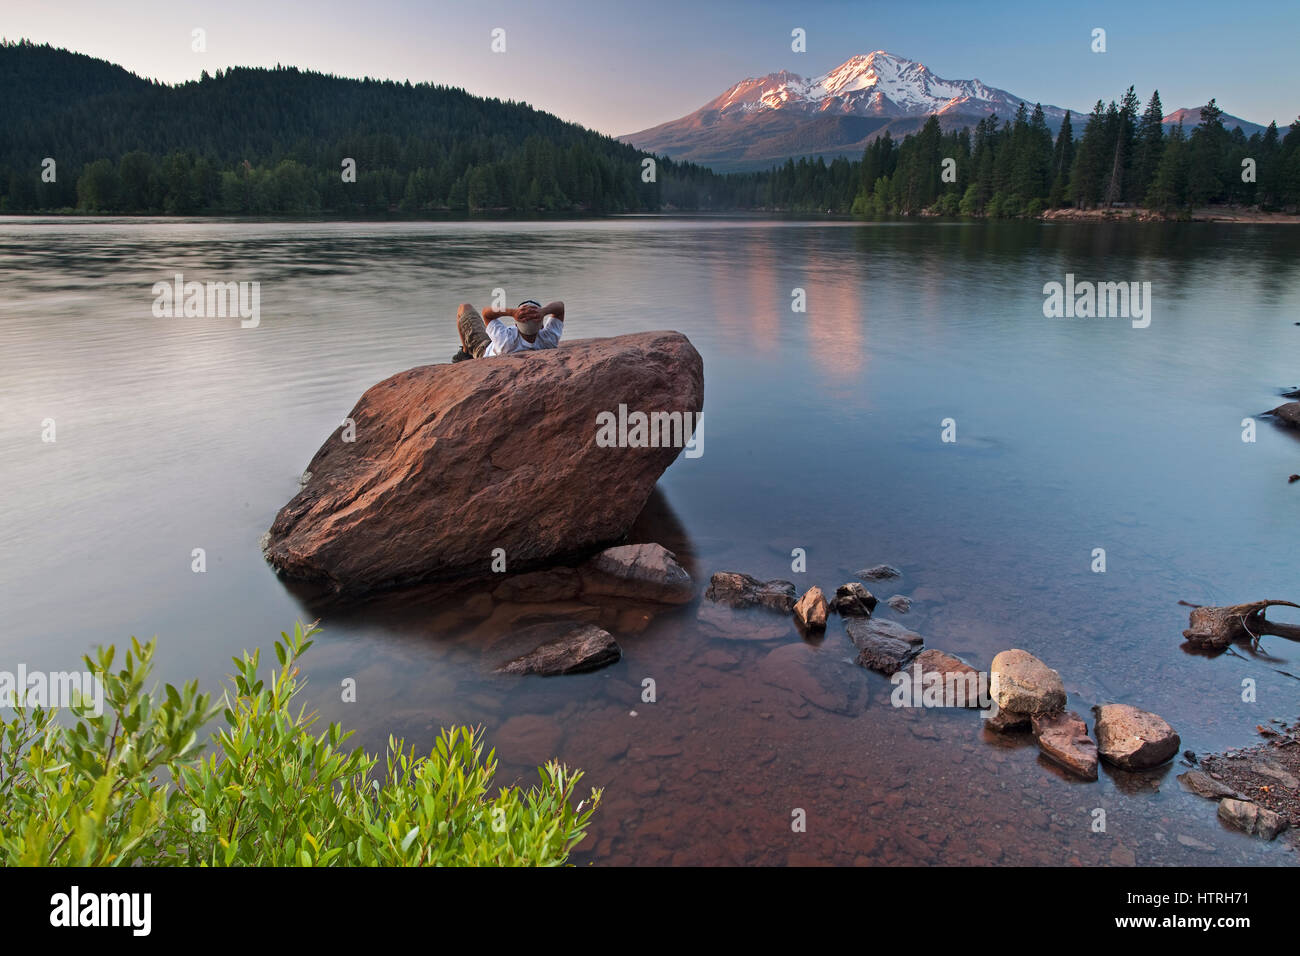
<point x="619" y="67"/>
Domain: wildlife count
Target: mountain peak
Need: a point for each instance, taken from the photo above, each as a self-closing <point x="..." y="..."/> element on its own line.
<point x="847" y="105"/>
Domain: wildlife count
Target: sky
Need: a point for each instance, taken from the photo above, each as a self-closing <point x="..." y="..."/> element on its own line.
<point x="619" y="67"/>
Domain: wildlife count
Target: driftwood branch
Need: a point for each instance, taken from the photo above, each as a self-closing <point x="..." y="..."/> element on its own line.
<point x="1217" y="627"/>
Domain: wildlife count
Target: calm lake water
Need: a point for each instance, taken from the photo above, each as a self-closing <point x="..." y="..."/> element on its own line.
<point x="823" y="432"/>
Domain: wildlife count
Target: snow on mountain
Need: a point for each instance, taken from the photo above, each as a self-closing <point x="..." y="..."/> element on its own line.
<point x="875" y="84"/>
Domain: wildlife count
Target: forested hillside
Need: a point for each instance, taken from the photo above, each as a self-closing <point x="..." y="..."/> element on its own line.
<point x="273" y="141"/>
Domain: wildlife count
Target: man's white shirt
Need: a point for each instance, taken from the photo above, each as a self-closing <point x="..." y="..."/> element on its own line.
<point x="506" y="338"/>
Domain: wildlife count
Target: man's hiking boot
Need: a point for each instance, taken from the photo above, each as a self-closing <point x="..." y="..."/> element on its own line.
<point x="461" y="356"/>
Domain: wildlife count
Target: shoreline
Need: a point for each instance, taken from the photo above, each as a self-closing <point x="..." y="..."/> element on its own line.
<point x="1209" y="214"/>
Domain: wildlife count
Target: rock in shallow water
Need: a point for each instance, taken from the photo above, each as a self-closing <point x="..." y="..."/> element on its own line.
<point x="883" y="646"/>
<point x="960" y="680"/>
<point x="451" y="462"/>
<point x="1025" y="685"/>
<point x="736" y="590"/>
<point x="816" y="676"/>
<point x="1251" y="818"/>
<point x="853" y="600"/>
<point x="647" y="572"/>
<point x="812" y="608"/>
<point x="1202" y="784"/>
<point x="880" y="572"/>
<point x="567" y="649"/>
<point x="1133" y="739"/>
<point x="1064" y="739"/>
<point x="900" y="604"/>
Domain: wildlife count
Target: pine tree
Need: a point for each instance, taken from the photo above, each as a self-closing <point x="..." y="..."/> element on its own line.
<point x="1062" y="160"/>
<point x="1150" y="147"/>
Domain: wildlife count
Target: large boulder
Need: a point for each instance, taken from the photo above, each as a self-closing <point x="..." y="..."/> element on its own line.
<point x="452" y="462"/>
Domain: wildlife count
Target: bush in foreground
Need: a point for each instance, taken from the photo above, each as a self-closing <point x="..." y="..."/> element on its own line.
<point x="131" y="786"/>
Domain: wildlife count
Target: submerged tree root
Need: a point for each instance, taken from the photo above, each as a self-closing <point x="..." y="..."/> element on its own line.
<point x="1217" y="627"/>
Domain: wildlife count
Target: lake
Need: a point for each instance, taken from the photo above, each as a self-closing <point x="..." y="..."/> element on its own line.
<point x="824" y="432"/>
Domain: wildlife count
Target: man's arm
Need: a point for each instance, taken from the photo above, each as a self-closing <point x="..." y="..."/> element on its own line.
<point x="555" y="308"/>
<point x="490" y="315"/>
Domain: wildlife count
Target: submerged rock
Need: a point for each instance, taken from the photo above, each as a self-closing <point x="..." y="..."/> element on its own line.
<point x="812" y="609"/>
<point x="737" y="590"/>
<point x="1133" y="739"/>
<point x="960" y="680"/>
<point x="745" y="624"/>
<point x="880" y="572"/>
<point x="816" y="676"/>
<point x="567" y="649"/>
<point x="1025" y="685"/>
<point x="883" y="646"/>
<point x="1251" y="818"/>
<point x="1203" y="785"/>
<point x="900" y="604"/>
<point x="853" y="600"/>
<point x="1063" y="738"/>
<point x="555" y="584"/>
<point x="647" y="572"/>
<point x="453" y="463"/>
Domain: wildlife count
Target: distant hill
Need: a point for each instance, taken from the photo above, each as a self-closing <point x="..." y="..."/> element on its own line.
<point x="1190" y="117"/>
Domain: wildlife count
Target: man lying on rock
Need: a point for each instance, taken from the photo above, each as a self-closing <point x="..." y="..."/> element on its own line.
<point x="537" y="326"/>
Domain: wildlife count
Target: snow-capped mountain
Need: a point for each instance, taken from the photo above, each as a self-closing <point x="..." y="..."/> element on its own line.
<point x="877" y="84"/>
<point x="765" y="119"/>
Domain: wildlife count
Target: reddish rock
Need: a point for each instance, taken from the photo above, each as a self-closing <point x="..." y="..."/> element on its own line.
<point x="647" y="572"/>
<point x="960" y="680"/>
<point x="451" y="462"/>
<point x="1064" y="739"/>
<point x="1133" y="739"/>
<point x="812" y="608"/>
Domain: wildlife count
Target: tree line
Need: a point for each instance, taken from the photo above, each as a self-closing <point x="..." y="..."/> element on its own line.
<point x="1124" y="158"/>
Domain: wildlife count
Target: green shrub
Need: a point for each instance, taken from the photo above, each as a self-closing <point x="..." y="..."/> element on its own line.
<point x="130" y="786"/>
